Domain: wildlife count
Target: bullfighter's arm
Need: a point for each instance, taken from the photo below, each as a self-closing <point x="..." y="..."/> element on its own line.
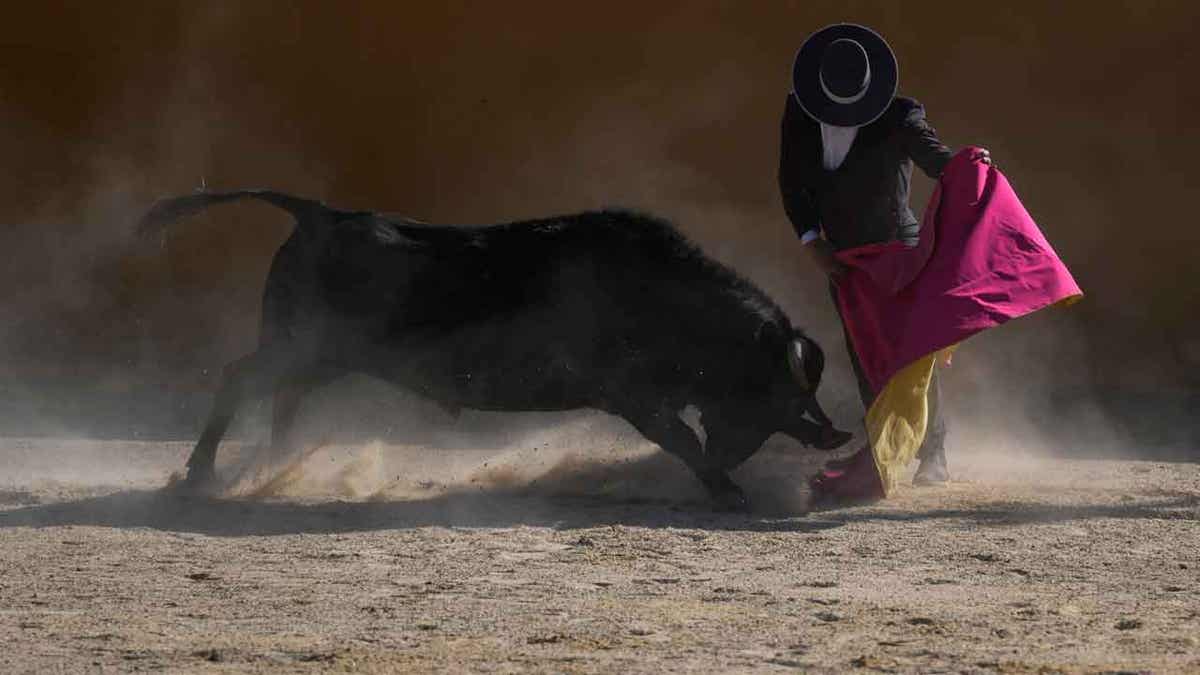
<point x="922" y="144"/>
<point x="798" y="200"/>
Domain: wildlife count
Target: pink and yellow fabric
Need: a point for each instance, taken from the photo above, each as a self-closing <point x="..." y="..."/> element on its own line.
<point x="981" y="261"/>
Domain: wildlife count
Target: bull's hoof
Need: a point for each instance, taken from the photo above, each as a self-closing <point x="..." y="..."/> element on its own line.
<point x="731" y="501"/>
<point x="831" y="438"/>
<point x="726" y="495"/>
<point x="199" y="481"/>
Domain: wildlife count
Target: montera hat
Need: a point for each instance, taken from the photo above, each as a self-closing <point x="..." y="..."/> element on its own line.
<point x="845" y="75"/>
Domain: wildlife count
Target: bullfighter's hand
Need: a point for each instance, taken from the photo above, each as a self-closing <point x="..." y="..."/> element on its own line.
<point x="822" y="256"/>
<point x="985" y="156"/>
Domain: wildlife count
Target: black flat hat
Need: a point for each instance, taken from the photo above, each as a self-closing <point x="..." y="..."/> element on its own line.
<point x="845" y="75"/>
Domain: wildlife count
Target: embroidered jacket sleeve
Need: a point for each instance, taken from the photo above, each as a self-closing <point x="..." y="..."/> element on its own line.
<point x="922" y="144"/>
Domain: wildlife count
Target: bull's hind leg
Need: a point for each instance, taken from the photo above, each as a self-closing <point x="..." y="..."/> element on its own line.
<point x="288" y="396"/>
<point x="663" y="426"/>
<point x="248" y="377"/>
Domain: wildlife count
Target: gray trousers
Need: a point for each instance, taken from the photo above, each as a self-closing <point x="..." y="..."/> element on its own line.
<point x="935" y="431"/>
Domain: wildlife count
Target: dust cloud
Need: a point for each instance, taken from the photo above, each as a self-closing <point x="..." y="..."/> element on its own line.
<point x="567" y="457"/>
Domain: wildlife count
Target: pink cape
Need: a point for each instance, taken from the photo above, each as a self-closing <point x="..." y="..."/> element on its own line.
<point x="980" y="261"/>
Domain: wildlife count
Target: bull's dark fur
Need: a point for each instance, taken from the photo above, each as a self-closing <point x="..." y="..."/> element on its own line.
<point x="610" y="310"/>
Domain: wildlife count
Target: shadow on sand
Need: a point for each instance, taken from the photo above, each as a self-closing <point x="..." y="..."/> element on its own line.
<point x="162" y="510"/>
<point x="1166" y="505"/>
<point x="653" y="491"/>
<point x="167" y="511"/>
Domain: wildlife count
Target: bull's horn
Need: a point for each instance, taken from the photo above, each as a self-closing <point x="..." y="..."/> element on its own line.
<point x="796" y="362"/>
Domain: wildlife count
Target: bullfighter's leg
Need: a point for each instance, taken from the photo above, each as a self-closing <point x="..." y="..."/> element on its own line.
<point x="664" y="427"/>
<point x="249" y="377"/>
<point x="932" y="453"/>
<point x="864" y="386"/>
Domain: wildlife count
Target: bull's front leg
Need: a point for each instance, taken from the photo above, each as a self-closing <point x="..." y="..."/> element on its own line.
<point x="732" y="439"/>
<point x="662" y="426"/>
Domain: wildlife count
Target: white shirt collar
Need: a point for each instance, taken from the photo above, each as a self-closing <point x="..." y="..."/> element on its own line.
<point x="835" y="143"/>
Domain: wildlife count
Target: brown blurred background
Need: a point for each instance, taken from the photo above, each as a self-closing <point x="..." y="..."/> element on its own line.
<point x="480" y="112"/>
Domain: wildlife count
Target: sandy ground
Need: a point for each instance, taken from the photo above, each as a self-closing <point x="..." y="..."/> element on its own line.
<point x="387" y="558"/>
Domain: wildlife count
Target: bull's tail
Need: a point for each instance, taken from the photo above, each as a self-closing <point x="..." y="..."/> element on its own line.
<point x="170" y="209"/>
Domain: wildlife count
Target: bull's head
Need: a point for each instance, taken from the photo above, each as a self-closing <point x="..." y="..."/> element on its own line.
<point x="806" y="364"/>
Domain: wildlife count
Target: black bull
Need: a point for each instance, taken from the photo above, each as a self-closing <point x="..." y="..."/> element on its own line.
<point x="608" y="310"/>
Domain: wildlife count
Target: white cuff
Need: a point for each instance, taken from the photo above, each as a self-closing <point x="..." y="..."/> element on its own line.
<point x="810" y="236"/>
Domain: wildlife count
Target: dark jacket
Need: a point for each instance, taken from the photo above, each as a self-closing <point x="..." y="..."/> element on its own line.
<point x="865" y="200"/>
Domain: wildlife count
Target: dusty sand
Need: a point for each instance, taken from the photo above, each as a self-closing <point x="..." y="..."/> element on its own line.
<point x="387" y="558"/>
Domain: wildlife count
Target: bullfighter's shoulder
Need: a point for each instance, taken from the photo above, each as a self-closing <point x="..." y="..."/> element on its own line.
<point x="904" y="110"/>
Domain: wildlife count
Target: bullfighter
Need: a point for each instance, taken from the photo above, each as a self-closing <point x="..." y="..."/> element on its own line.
<point x="847" y="150"/>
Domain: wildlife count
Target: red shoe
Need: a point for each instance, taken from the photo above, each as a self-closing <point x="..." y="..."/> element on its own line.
<point x="854" y="481"/>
